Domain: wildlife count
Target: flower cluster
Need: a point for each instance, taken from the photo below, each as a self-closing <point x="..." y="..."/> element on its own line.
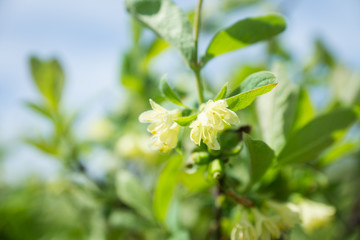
<point x="244" y="230"/>
<point x="268" y="224"/>
<point x="213" y="117"/>
<point x="162" y="126"/>
<point x="315" y="214"/>
<point x="210" y="121"/>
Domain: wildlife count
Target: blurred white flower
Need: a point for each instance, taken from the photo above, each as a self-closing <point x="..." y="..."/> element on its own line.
<point x="288" y="214"/>
<point x="315" y="214"/>
<point x="132" y="145"/>
<point x="162" y="126"/>
<point x="211" y="120"/>
<point x="266" y="226"/>
<point x="101" y="130"/>
<point x="244" y="230"/>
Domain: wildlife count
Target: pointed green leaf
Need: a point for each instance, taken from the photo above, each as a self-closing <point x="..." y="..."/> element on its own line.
<point x="261" y="157"/>
<point x="39" y="109"/>
<point x="169" y="93"/>
<point x="44" y="145"/>
<point x="131" y="192"/>
<point x="167" y="21"/>
<point x="338" y="151"/>
<point x="49" y="78"/>
<point x="222" y="93"/>
<point x="304" y="111"/>
<point x="255" y="85"/>
<point x="308" y="142"/>
<point x="185" y="121"/>
<point x="165" y="187"/>
<point x="240" y="75"/>
<point x="157" y="47"/>
<point x="273" y="110"/>
<point x="244" y="33"/>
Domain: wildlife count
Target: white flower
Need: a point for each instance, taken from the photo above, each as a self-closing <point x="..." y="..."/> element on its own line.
<point x="101" y="130"/>
<point x="287" y="212"/>
<point x="211" y="120"/>
<point x="244" y="230"/>
<point x="315" y="214"/>
<point x="266" y="226"/>
<point x="162" y="126"/>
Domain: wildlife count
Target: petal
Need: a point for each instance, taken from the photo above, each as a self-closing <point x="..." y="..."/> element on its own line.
<point x="156" y="106"/>
<point x="195" y="135"/>
<point x="155" y="143"/>
<point x="148" y="116"/>
<point x="232" y="118"/>
<point x="221" y="103"/>
<point x="169" y="138"/>
<point x="218" y="121"/>
<point x="156" y="127"/>
<point x="214" y="144"/>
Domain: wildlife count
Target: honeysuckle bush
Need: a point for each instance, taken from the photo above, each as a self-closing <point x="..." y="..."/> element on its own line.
<point x="257" y="158"/>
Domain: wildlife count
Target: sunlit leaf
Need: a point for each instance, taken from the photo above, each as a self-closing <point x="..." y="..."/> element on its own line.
<point x="157" y="47"/>
<point x="244" y="33"/>
<point x="39" y="109"/>
<point x="308" y="142"/>
<point x="240" y="75"/>
<point x="345" y="85"/>
<point x="185" y="121"/>
<point x="305" y="111"/>
<point x="44" y="145"/>
<point x="255" y="85"/>
<point x="49" y="78"/>
<point x="273" y="109"/>
<point x="167" y="21"/>
<point x="169" y="93"/>
<point x="338" y="151"/>
<point x="222" y="93"/>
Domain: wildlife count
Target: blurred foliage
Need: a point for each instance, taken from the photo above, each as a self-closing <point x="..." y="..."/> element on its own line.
<point x="289" y="147"/>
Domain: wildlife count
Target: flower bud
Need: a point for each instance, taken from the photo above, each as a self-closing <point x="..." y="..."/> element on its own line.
<point x="216" y="169"/>
<point x="200" y="158"/>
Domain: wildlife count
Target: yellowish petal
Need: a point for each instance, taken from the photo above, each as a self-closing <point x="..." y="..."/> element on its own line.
<point x="232" y="118"/>
<point x="195" y="135"/>
<point x="148" y="116"/>
<point x="156" y="106"/>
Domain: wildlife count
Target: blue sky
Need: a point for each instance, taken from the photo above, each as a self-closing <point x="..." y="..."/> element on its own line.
<point x="89" y="36"/>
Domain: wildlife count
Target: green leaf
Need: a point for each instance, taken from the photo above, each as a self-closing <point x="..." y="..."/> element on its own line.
<point x="180" y="235"/>
<point x="305" y="111"/>
<point x="131" y="192"/>
<point x="167" y="21"/>
<point x="261" y="157"/>
<point x="185" y="121"/>
<point x="222" y="93"/>
<point x="240" y="75"/>
<point x="273" y="110"/>
<point x="308" y="142"/>
<point x="39" y="109"/>
<point x="345" y="85"/>
<point x="255" y="85"/>
<point x="165" y="187"/>
<point x="128" y="220"/>
<point x="339" y="151"/>
<point x="44" y="145"/>
<point x="157" y="47"/>
<point x="244" y="33"/>
<point x="169" y="93"/>
<point x="49" y="79"/>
